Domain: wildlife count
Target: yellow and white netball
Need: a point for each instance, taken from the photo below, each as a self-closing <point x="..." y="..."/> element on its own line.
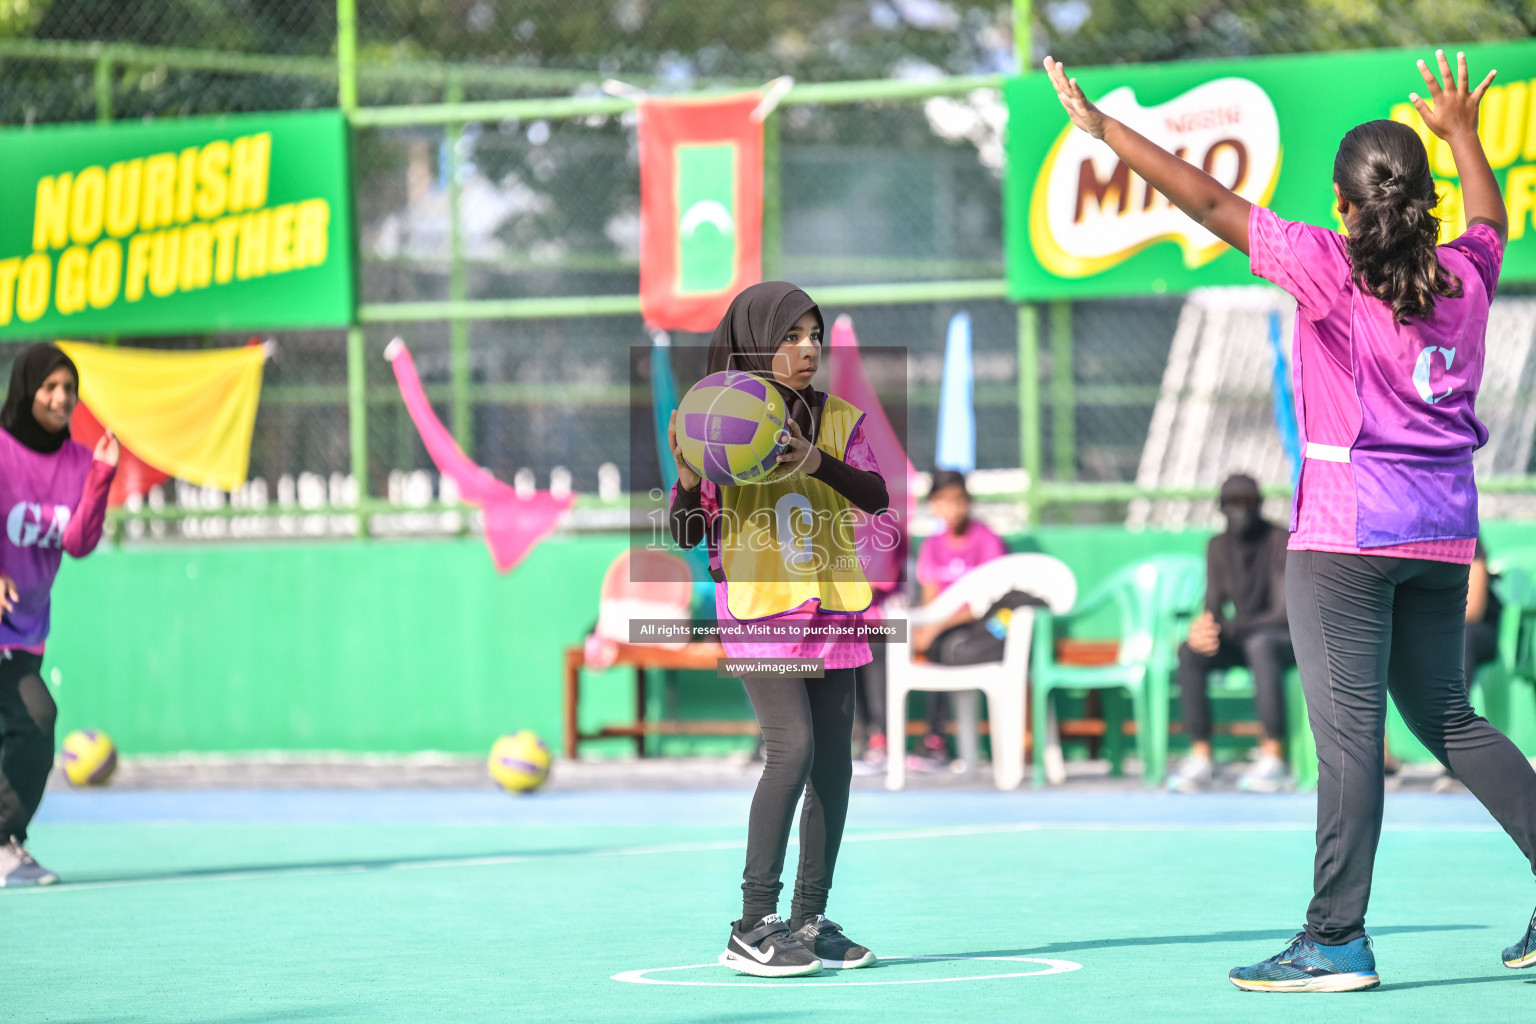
<point x="89" y="757"/>
<point x="730" y="427"/>
<point x="519" y="762"/>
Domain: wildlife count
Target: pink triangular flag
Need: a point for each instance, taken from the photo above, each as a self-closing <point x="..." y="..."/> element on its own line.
<point x="513" y="525"/>
<point x="850" y="382"/>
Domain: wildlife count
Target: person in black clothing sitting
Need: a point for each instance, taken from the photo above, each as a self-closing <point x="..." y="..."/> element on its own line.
<point x="1245" y="568"/>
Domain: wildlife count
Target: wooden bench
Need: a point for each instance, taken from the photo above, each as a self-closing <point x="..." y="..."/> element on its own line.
<point x="694" y="657"/>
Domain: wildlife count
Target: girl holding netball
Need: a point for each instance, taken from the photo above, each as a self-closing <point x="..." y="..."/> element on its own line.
<point x="1388" y="357"/>
<point x="53" y="497"/>
<point x="774" y="330"/>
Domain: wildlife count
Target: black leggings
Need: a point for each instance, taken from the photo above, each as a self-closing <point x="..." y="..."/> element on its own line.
<point x="27" y="714"/>
<point x="1365" y="626"/>
<point x="807" y="740"/>
<point x="1266" y="654"/>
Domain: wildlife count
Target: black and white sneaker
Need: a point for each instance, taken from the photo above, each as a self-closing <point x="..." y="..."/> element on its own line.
<point x="769" y="950"/>
<point x="834" y="949"/>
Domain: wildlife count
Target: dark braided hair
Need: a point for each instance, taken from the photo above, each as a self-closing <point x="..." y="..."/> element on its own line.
<point x="1383" y="170"/>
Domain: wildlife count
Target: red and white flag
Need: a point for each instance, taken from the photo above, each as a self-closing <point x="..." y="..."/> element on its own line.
<point x="701" y="208"/>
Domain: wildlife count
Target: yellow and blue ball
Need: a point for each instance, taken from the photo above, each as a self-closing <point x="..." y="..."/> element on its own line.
<point x="731" y="428"/>
<point x="519" y="762"/>
<point x="89" y="757"/>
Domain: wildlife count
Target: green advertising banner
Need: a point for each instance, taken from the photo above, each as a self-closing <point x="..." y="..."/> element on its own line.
<point x="201" y="224"/>
<point x="1080" y="224"/>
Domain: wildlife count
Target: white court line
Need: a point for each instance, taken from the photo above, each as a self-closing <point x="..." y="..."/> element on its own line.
<point x="1051" y="967"/>
<point x="703" y="846"/>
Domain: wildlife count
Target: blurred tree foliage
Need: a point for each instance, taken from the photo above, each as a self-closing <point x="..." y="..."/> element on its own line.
<point x="1133" y="31"/>
<point x="18" y="16"/>
<point x="249" y="26"/>
<point x="687" y="41"/>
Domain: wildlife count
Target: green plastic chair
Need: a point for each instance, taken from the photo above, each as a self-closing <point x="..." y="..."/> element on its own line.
<point x="1504" y="690"/>
<point x="1515" y="583"/>
<point x="1151" y="599"/>
<point x="1300" y="746"/>
<point x="1495" y="687"/>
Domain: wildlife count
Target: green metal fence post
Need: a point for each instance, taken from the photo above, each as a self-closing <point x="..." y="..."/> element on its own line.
<point x="1028" y="317"/>
<point x="103" y="87"/>
<point x="357" y="413"/>
<point x="346" y="54"/>
<point x="458" y="285"/>
<point x="1023" y="33"/>
<point x="1030" y="447"/>
<point x="773" y="235"/>
<point x="357" y="365"/>
<point x="1063" y="394"/>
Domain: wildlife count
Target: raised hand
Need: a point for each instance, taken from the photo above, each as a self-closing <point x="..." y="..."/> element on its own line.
<point x="687" y="479"/>
<point x="1207" y="201"/>
<point x="1453" y="118"/>
<point x="1083" y="113"/>
<point x="107" y="449"/>
<point x="1455" y="108"/>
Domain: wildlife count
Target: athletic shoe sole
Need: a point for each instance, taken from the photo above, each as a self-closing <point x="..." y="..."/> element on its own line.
<point x="45" y="880"/>
<point x="1529" y="960"/>
<point x="746" y="965"/>
<point x="848" y="965"/>
<point x="1189" y="787"/>
<point x="1356" y="982"/>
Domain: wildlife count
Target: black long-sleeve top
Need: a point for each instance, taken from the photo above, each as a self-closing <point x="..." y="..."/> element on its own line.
<point x="864" y="488"/>
<point x="1251" y="575"/>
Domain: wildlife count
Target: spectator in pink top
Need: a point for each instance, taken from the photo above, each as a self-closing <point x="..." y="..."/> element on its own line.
<point x="944" y="558"/>
<point x="53" y="499"/>
<point x="1388" y="357"/>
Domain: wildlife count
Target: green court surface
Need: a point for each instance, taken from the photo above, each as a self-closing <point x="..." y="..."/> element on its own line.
<point x="237" y="908"/>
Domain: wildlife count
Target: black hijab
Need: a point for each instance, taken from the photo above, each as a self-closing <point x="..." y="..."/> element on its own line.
<point x="29" y="371"/>
<point x="1248" y="544"/>
<point x="750" y="333"/>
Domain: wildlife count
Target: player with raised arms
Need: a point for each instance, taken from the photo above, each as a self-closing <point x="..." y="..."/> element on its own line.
<point x="53" y="497"/>
<point x="782" y="552"/>
<point x="1388" y="357"/>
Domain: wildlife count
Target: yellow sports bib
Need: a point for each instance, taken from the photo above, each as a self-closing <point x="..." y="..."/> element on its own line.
<point x="791" y="538"/>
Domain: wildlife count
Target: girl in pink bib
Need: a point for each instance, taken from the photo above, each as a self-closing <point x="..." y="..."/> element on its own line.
<point x="1388" y="357"/>
<point x="53" y="499"/>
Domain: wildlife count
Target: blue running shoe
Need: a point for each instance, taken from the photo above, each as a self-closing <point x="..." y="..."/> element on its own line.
<point x="1523" y="953"/>
<point x="1304" y="967"/>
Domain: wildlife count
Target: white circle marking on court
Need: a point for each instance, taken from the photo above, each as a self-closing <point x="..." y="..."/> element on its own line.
<point x="1051" y="967"/>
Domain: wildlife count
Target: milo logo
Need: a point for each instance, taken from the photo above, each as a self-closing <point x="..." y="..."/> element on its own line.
<point x="1089" y="212"/>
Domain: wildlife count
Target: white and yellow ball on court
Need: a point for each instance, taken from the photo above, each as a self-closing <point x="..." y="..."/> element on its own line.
<point x="519" y="762"/>
<point x="730" y="427"/>
<point x="89" y="757"/>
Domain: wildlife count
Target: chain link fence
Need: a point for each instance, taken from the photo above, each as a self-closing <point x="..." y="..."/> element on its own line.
<point x="900" y="191"/>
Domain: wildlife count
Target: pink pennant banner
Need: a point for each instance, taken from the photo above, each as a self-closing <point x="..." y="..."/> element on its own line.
<point x="850" y="382"/>
<point x="513" y="525"/>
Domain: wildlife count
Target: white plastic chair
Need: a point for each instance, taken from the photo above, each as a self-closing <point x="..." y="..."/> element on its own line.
<point x="1003" y="682"/>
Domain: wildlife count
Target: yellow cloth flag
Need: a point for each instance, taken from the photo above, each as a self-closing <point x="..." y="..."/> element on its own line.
<point x="186" y="413"/>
